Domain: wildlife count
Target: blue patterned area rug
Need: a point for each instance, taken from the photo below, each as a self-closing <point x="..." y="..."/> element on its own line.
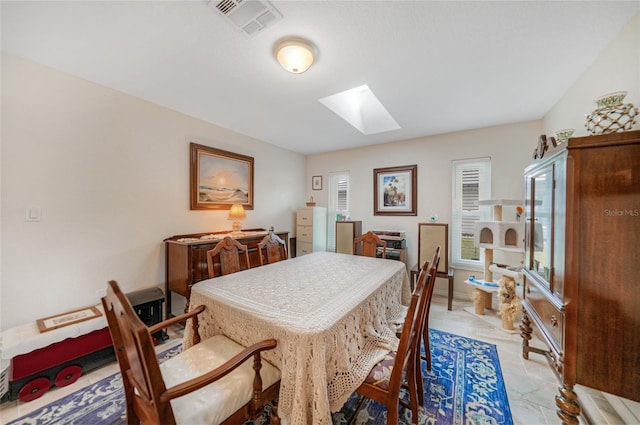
<point x="465" y="387"/>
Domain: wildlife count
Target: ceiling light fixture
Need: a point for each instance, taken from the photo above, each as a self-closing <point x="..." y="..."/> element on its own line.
<point x="295" y="55"/>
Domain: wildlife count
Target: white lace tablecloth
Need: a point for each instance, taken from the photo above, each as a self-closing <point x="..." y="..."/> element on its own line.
<point x="330" y="313"/>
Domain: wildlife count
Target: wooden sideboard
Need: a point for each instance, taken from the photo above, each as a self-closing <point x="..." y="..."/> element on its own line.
<point x="186" y="258"/>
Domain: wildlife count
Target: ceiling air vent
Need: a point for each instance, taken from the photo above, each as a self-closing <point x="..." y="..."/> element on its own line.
<point x="248" y="16"/>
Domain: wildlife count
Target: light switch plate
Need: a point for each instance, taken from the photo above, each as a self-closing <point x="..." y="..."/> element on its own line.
<point x="33" y="214"/>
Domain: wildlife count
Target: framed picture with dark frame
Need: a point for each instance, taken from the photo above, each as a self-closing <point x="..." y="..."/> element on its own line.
<point x="395" y="190"/>
<point x="316" y="182"/>
<point x="220" y="179"/>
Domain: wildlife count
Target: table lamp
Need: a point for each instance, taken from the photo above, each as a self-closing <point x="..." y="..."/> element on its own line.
<point x="236" y="213"/>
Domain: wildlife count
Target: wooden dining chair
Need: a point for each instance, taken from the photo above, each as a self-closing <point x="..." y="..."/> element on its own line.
<point x="370" y="243"/>
<point x="424" y="288"/>
<point x="424" y="321"/>
<point x="428" y="274"/>
<point x="213" y="382"/>
<point x="272" y="249"/>
<point x="228" y="252"/>
<point x="386" y="378"/>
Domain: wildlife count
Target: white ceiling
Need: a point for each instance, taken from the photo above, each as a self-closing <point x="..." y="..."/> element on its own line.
<point x="437" y="66"/>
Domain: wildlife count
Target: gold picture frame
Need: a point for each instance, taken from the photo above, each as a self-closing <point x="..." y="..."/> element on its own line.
<point x="219" y="179"/>
<point x="65" y="319"/>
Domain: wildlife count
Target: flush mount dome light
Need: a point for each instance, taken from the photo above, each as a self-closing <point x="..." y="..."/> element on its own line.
<point x="295" y="55"/>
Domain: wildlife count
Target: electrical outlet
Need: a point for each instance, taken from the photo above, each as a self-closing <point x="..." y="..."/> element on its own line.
<point x="100" y="293"/>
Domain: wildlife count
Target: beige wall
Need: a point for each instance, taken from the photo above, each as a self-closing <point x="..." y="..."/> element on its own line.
<point x="509" y="146"/>
<point x="111" y="174"/>
<point x="616" y="68"/>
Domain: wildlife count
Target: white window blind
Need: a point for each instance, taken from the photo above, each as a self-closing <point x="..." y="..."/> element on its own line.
<point x="471" y="183"/>
<point x="338" y="204"/>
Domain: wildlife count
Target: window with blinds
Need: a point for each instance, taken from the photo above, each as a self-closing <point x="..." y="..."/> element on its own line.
<point x="471" y="183"/>
<point x="338" y="204"/>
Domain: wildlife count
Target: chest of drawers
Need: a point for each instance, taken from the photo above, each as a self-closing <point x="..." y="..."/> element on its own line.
<point x="311" y="230"/>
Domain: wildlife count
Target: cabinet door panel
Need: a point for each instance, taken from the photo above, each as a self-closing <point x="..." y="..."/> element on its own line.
<point x="541" y="214"/>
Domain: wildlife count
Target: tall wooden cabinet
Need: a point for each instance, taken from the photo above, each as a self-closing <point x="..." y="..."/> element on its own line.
<point x="311" y="230"/>
<point x="582" y="258"/>
<point x="346" y="232"/>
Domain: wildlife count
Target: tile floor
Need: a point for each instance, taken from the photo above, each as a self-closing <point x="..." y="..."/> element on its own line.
<point x="531" y="384"/>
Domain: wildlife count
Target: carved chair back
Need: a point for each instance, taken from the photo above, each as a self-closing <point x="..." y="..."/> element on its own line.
<point x="370" y="243"/>
<point x="272" y="249"/>
<point x="148" y="400"/>
<point x="228" y="252"/>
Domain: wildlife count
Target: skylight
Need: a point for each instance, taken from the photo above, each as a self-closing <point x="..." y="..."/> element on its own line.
<point x="362" y="109"/>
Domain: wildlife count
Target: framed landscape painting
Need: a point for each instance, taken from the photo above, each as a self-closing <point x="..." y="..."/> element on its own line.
<point x="395" y="190"/>
<point x="220" y="179"/>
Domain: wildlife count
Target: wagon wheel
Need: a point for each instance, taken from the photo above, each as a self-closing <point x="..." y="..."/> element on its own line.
<point x="34" y="389"/>
<point x="68" y="375"/>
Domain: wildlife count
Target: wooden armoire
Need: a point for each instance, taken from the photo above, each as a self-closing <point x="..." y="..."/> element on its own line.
<point x="582" y="258"/>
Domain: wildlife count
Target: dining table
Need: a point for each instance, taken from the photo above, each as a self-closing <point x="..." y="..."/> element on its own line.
<point x="334" y="317"/>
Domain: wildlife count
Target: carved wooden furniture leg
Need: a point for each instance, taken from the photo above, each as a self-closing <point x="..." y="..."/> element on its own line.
<point x="568" y="407"/>
<point x="188" y="298"/>
<point x="525" y="333"/>
<point x="257" y="383"/>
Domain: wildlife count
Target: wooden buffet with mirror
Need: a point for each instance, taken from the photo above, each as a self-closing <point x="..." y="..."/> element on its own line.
<point x="186" y="258"/>
<point x="582" y="257"/>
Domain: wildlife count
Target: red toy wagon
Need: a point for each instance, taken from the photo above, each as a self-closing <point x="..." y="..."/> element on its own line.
<point x="39" y="357"/>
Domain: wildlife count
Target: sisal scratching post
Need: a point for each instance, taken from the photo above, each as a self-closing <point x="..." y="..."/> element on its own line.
<point x="478" y="301"/>
<point x="488" y="275"/>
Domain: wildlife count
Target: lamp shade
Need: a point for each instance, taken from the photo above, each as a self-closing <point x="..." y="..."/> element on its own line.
<point x="295" y="55"/>
<point x="237" y="212"/>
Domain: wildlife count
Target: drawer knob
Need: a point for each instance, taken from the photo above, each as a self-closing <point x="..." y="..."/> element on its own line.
<point x="554" y="321"/>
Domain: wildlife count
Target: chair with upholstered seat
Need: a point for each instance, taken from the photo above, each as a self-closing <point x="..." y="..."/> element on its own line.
<point x="272" y="249"/>
<point x="217" y="381"/>
<point x="228" y="252"/>
<point x="387" y="377"/>
<point x="370" y="243"/>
